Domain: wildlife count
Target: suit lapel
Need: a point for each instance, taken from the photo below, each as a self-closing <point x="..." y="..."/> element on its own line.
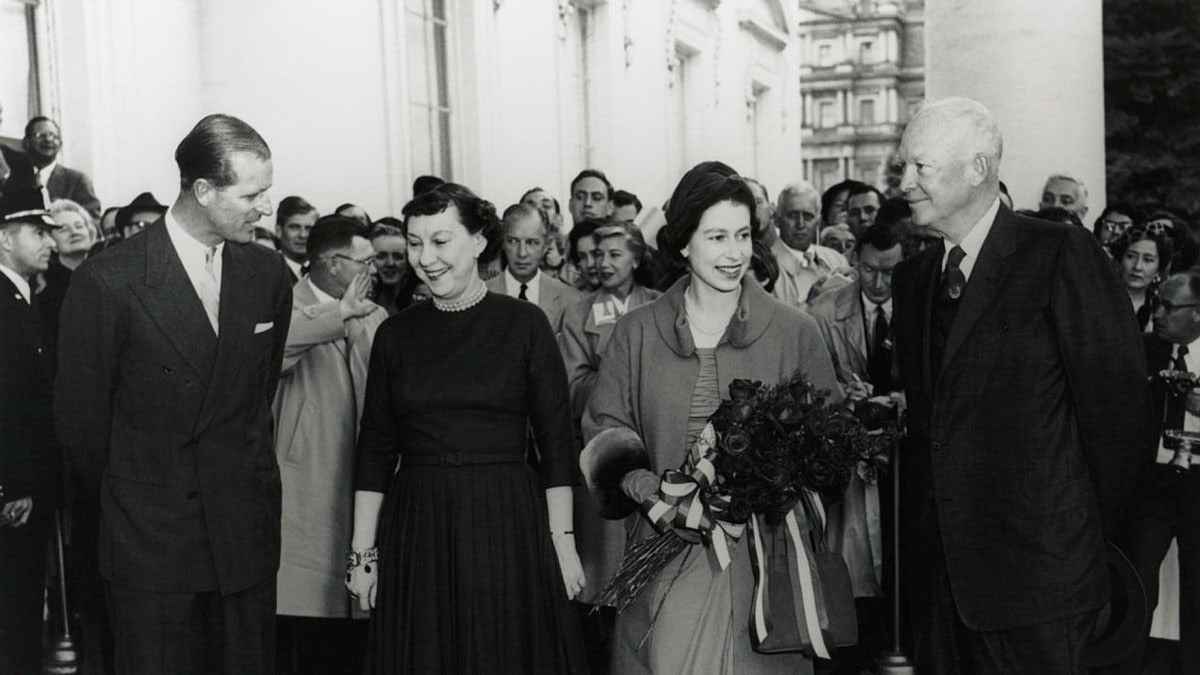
<point x="236" y="321"/>
<point x="987" y="275"/>
<point x="849" y="312"/>
<point x="172" y="303"/>
<point x="925" y="276"/>
<point x="549" y="297"/>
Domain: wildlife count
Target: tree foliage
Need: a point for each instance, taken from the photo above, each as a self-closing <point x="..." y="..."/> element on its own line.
<point x="1152" y="103"/>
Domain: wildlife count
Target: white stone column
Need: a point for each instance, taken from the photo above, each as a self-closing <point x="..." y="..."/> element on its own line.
<point x="1039" y="66"/>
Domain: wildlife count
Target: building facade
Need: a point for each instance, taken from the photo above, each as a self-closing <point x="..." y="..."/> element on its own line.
<point x="862" y="74"/>
<point x="357" y="98"/>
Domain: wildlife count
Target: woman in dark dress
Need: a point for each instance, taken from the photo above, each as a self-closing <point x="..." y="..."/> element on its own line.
<point x="466" y="553"/>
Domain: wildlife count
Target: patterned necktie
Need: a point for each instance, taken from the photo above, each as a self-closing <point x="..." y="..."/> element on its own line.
<point x="953" y="279"/>
<point x="950" y="289"/>
<point x="522" y="295"/>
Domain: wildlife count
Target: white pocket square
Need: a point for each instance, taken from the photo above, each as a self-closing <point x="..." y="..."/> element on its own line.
<point x="263" y="327"/>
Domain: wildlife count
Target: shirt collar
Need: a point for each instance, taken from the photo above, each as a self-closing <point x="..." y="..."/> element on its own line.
<point x="322" y="296"/>
<point x="293" y="265"/>
<point x="20" y="282"/>
<point x="871" y="304"/>
<point x="43" y="173"/>
<point x="513" y="287"/>
<point x="972" y="244"/>
<point x="185" y="244"/>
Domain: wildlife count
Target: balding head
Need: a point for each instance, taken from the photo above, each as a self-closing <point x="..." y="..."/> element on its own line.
<point x="796" y="215"/>
<point x="1067" y="192"/>
<point x="951" y="155"/>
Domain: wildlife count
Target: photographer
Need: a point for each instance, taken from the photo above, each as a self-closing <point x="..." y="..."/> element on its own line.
<point x="1167" y="505"/>
<point x="854" y="320"/>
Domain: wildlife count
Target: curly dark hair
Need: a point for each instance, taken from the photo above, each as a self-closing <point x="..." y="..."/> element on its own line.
<point x="476" y="214"/>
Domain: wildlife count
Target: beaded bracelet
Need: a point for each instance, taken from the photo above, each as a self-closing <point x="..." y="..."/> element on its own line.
<point x="356" y="558"/>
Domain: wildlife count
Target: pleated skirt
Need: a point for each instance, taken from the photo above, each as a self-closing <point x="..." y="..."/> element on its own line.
<point x="469" y="581"/>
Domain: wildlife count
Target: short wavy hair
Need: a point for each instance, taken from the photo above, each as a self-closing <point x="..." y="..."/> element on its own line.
<point x="476" y="214"/>
<point x="67" y="206"/>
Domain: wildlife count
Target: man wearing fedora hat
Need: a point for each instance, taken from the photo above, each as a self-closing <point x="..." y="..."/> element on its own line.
<point x="138" y="215"/>
<point x="169" y="354"/>
<point x="28" y="452"/>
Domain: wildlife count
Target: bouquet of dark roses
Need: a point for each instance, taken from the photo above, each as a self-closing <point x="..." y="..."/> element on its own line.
<point x="769" y="458"/>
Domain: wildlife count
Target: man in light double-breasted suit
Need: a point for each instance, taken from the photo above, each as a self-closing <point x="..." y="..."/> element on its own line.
<point x="169" y="356"/>
<point x="317" y="411"/>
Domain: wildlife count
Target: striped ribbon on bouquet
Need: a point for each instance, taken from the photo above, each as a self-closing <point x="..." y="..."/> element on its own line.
<point x="798" y="609"/>
<point x="683" y="500"/>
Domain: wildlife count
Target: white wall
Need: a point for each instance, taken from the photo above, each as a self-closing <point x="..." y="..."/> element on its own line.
<point x="325" y="84"/>
<point x="1039" y="67"/>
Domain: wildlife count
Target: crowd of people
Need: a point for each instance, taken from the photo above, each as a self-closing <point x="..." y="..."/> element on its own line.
<point x="294" y="442"/>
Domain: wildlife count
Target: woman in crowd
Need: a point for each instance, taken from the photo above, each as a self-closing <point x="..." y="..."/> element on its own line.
<point x="466" y="553"/>
<point x="620" y="253"/>
<point x="394" y="280"/>
<point x="582" y="253"/>
<point x="555" y="262"/>
<point x="666" y="368"/>
<point x="1143" y="256"/>
<point x="74" y="238"/>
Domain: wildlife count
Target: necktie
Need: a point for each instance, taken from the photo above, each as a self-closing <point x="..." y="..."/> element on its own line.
<point x="522" y="295"/>
<point x="210" y="297"/>
<point x="879" y="361"/>
<point x="953" y="279"/>
<point x="951" y="286"/>
<point x="304" y="269"/>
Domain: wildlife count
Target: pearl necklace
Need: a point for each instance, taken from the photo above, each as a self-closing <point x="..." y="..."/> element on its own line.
<point x="469" y="298"/>
<point x="716" y="328"/>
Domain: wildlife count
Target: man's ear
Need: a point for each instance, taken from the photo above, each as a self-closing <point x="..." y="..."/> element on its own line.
<point x="979" y="169"/>
<point x="203" y="191"/>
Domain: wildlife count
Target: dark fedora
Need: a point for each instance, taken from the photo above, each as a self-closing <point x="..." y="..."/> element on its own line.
<point x="140" y="203"/>
<point x="25" y="206"/>
<point x="1124" y="620"/>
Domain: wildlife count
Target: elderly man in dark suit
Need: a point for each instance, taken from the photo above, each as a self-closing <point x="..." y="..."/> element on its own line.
<point x="28" y="452"/>
<point x="1028" y="412"/>
<point x="169" y="356"/>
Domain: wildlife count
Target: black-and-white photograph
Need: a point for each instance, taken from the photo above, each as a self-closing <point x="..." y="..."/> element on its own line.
<point x="629" y="337"/>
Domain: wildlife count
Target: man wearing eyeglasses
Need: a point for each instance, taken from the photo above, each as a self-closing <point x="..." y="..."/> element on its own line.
<point x="1169" y="492"/>
<point x="43" y="141"/>
<point x="317" y="410"/>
